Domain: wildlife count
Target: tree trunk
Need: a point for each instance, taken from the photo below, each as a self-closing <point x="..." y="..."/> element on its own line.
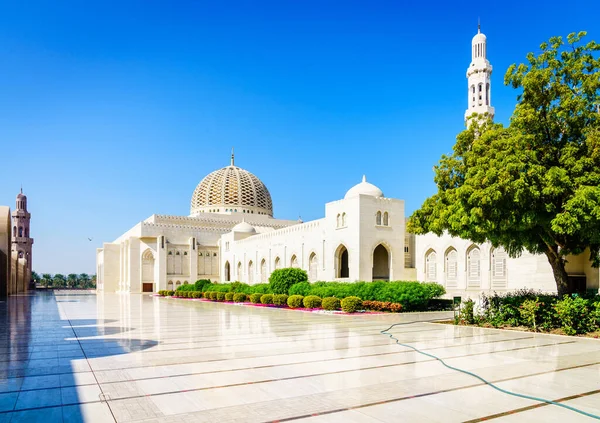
<point x="560" y="273"/>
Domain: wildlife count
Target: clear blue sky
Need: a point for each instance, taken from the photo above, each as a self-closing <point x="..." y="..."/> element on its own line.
<point x="113" y="110"/>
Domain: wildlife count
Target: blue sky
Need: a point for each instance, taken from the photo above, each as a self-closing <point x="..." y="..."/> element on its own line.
<point x="111" y="111"/>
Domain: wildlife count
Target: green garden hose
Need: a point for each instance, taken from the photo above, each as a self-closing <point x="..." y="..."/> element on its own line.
<point x="532" y="398"/>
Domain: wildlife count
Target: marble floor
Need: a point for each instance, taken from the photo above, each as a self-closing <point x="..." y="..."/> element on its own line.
<point x="135" y="358"/>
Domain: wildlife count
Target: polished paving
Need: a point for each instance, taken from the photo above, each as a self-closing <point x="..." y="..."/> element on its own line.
<point x="129" y="358"/>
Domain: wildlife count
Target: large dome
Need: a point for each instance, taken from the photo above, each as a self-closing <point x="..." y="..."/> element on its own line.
<point x="231" y="190"/>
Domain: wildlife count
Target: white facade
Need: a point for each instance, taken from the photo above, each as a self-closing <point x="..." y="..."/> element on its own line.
<point x="361" y="237"/>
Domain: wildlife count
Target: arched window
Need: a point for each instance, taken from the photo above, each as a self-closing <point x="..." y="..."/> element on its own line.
<point x="342" y="262"/>
<point x="170" y="286"/>
<point x="263" y="271"/>
<point x="451" y="267"/>
<point x="473" y="267"/>
<point x="277" y="263"/>
<point x="344" y="219"/>
<point x="338" y="220"/>
<point x="14" y="231"/>
<point x="386" y="219"/>
<point x="431" y="266"/>
<point x="250" y="272"/>
<point x="378" y="218"/>
<point x="487" y="94"/>
<point x="294" y="261"/>
<point x="239" y="271"/>
<point x="26" y="233"/>
<point x="20" y="231"/>
<point x="498" y="271"/>
<point x="227" y="272"/>
<point x="313" y="265"/>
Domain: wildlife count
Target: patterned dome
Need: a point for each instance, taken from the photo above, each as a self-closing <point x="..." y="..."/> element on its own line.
<point x="231" y="190"/>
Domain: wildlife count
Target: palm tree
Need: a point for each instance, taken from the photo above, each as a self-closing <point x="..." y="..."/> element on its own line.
<point x="93" y="281"/>
<point x="84" y="280"/>
<point x="47" y="278"/>
<point x="35" y="277"/>
<point x="59" y="280"/>
<point x="71" y="280"/>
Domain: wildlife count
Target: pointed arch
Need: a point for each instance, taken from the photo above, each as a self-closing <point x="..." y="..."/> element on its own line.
<point x="239" y="271"/>
<point x="431" y="265"/>
<point x="170" y="286"/>
<point x="294" y="261"/>
<point x="148" y="266"/>
<point x="339" y="221"/>
<point x="451" y="266"/>
<point x="386" y="219"/>
<point x="381" y="263"/>
<point x="313" y="266"/>
<point x="378" y="218"/>
<point x="227" y="272"/>
<point x="344" y="219"/>
<point x="263" y="271"/>
<point x="342" y="262"/>
<point x="277" y="263"/>
<point x="473" y="269"/>
<point x="250" y="272"/>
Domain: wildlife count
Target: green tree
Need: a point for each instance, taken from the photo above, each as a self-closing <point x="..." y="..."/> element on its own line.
<point x="93" y="281"/>
<point x="35" y="277"/>
<point x="84" y="280"/>
<point x="59" y="281"/>
<point x="47" y="279"/>
<point x="534" y="185"/>
<point x="71" y="280"/>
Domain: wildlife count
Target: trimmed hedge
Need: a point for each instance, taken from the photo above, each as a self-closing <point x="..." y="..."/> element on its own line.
<point x="331" y="303"/>
<point x="382" y="306"/>
<point x="221" y="296"/>
<point x="351" y="304"/>
<point x="255" y="298"/>
<point x="229" y="296"/>
<point x="266" y="299"/>
<point x="213" y="295"/>
<point x="281" y="280"/>
<point x="280" y="299"/>
<point x="312" y="301"/>
<point x="240" y="297"/>
<point x="412" y="295"/>
<point x="295" y="301"/>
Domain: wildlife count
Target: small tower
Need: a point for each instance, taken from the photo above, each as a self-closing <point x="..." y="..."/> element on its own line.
<point x="479" y="76"/>
<point x="21" y="242"/>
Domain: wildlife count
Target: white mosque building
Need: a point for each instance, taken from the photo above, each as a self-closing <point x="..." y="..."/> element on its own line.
<point x="231" y="235"/>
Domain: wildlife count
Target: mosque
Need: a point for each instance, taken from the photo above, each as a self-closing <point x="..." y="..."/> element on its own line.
<point x="231" y="235"/>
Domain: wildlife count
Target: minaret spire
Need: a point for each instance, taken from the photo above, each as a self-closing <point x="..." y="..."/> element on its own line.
<point x="478" y="25"/>
<point x="479" y="76"/>
<point x="232" y="157"/>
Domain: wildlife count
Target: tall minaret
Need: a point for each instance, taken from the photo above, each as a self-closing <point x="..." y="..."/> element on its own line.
<point x="21" y="241"/>
<point x="479" y="77"/>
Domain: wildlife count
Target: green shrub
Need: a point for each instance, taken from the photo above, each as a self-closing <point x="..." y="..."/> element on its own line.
<point x="312" y="301"/>
<point x="280" y="299"/>
<point x="170" y="293"/>
<point x="331" y="303"/>
<point x="529" y="310"/>
<point x="206" y="294"/>
<point x="574" y="315"/>
<point x="295" y="301"/>
<point x="229" y="296"/>
<point x="221" y="296"/>
<point x="197" y="294"/>
<point x="213" y="295"/>
<point x="255" y="298"/>
<point x="281" y="280"/>
<point x="266" y="299"/>
<point x="467" y="312"/>
<point x="240" y="297"/>
<point x="351" y="304"/>
<point x="200" y="284"/>
<point x="302" y="288"/>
